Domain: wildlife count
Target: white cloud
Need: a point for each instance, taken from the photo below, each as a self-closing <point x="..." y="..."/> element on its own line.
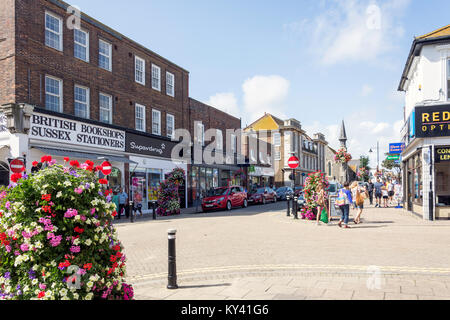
<point x="226" y="102"/>
<point x="352" y="30"/>
<point x="366" y="90"/>
<point x="265" y="94"/>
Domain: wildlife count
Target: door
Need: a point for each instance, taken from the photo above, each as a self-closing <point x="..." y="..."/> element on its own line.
<point x="410" y="190"/>
<point x="236" y="197"/>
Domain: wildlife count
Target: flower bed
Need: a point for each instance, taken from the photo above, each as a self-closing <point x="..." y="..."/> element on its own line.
<point x="57" y="237"/>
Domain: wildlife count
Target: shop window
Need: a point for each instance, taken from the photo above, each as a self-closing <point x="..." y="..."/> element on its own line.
<point x="448" y="79"/>
<point x="442" y="183"/>
<point x="115" y="178"/>
<point x="418" y="183"/>
<point x="154" y="180"/>
<point x="4" y="174"/>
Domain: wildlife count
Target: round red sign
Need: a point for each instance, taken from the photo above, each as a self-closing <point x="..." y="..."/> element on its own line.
<point x="17" y="166"/>
<point x="106" y="168"/>
<point x="293" y="162"/>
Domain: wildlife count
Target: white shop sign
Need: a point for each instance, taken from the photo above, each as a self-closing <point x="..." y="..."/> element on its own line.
<point x="263" y="171"/>
<point x="50" y="128"/>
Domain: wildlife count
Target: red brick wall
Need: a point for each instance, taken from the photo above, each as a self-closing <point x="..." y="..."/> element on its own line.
<point x="35" y="60"/>
<point x="7" y="58"/>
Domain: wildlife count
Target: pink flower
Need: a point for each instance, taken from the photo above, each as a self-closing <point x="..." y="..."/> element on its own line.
<point x="70" y="213"/>
<point x="50" y="236"/>
<point x="16" y="253"/>
<point x="93" y="211"/>
<point x="56" y="241"/>
<point x="83" y="218"/>
<point x="78" y="190"/>
<point x="8" y="248"/>
<point x="42" y="286"/>
<point x="75" y="249"/>
<point x="24" y="247"/>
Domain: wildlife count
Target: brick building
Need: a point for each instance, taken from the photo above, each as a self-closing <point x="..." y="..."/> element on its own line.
<point x="90" y="93"/>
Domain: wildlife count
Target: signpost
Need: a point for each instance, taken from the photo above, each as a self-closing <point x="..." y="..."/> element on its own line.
<point x="293" y="163"/>
<point x="17" y="166"/>
<point x="396" y="148"/>
<point x="106" y="168"/>
<point x="394" y="157"/>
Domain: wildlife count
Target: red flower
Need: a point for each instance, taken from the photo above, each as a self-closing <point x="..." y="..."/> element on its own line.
<point x="113" y="258"/>
<point x="98" y="168"/>
<point x="66" y="159"/>
<point x="79" y="230"/>
<point x="75" y="164"/>
<point x="15" y="177"/>
<point x="46" y="159"/>
<point x="35" y="163"/>
<point x="103" y="181"/>
<point x="114" y="213"/>
<point x="46" y="197"/>
<point x="116" y="248"/>
<point x="89" y="163"/>
<point x="41" y="294"/>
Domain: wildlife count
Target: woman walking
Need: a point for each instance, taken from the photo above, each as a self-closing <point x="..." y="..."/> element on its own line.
<point x="321" y="200"/>
<point x="343" y="201"/>
<point x="385" y="194"/>
<point x="360" y="196"/>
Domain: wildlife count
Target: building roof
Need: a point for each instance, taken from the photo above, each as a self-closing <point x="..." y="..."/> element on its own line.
<point x="441" y="35"/>
<point x="343" y="135"/>
<point x="266" y="122"/>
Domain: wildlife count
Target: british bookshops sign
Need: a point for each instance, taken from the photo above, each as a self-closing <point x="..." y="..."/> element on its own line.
<point x="55" y="129"/>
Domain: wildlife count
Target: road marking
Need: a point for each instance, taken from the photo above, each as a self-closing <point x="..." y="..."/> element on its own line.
<point x="254" y="268"/>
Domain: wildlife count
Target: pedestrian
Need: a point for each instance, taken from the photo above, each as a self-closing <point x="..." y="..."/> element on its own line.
<point x="115" y="200"/>
<point x="361" y="195"/>
<point x="391" y="192"/>
<point x="123" y="203"/>
<point x="370" y="190"/>
<point x="353" y="188"/>
<point x="378" y="185"/>
<point x="385" y="194"/>
<point x="343" y="201"/>
<point x="137" y="203"/>
<point x="321" y="197"/>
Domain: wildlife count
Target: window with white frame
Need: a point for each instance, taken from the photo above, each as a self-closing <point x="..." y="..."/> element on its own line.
<point x="277" y="139"/>
<point x="53" y="94"/>
<point x="156" y="77"/>
<point x="278" y="155"/>
<point x="140" y="117"/>
<point x="448" y="79"/>
<point x="170" y="119"/>
<point x="139" y="70"/>
<point x="105" y="108"/>
<point x="81" y="102"/>
<point x="219" y="139"/>
<point x="53" y="31"/>
<point x="156" y="122"/>
<point x="81" y="44"/>
<point x="104" y="55"/>
<point x="170" y="84"/>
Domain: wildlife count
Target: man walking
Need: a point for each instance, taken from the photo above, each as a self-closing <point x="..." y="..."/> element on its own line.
<point x="378" y="194"/>
<point x="123" y="198"/>
<point x="370" y="189"/>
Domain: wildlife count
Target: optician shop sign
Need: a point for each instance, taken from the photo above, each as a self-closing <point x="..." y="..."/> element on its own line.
<point x="149" y="146"/>
<point x="442" y="154"/>
<point x="433" y="121"/>
<point x="55" y="129"/>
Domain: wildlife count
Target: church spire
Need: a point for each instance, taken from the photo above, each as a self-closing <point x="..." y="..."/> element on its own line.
<point x="343" y="136"/>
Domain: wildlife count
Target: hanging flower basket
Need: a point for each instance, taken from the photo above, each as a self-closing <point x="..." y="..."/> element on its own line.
<point x="342" y="156"/>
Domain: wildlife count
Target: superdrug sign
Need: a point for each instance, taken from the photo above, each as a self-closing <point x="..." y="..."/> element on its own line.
<point x="150" y="146"/>
<point x="49" y="128"/>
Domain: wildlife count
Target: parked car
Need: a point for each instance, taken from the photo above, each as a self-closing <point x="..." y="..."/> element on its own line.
<point x="333" y="188"/>
<point x="225" y="198"/>
<point x="298" y="191"/>
<point x="262" y="195"/>
<point x="283" y="192"/>
<point x="301" y="202"/>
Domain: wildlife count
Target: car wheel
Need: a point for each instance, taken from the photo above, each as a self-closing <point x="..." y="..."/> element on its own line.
<point x="229" y="206"/>
<point x="245" y="205"/>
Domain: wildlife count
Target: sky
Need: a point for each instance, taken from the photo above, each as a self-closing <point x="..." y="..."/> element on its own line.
<point x="319" y="62"/>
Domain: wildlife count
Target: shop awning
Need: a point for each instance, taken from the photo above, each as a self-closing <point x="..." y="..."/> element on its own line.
<point x="83" y="155"/>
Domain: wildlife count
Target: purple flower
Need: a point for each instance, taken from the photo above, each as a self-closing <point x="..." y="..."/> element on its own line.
<point x="87" y="186"/>
<point x="7" y="275"/>
<point x="56" y="241"/>
<point x="31" y="274"/>
<point x="70" y="213"/>
<point x="75" y="249"/>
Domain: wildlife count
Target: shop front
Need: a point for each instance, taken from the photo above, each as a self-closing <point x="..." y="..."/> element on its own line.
<point x="203" y="178"/>
<point x="63" y="136"/>
<point x="261" y="176"/>
<point x="152" y="156"/>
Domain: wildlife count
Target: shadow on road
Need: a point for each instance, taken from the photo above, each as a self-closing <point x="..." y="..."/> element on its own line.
<point x="205" y="286"/>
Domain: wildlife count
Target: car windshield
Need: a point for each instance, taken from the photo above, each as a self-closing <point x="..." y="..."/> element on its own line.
<point x="281" y="189"/>
<point x="260" y="190"/>
<point x="218" y="192"/>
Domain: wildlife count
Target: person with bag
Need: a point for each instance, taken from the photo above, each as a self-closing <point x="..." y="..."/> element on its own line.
<point x="360" y="197"/>
<point x="343" y="201"/>
<point x="322" y="212"/>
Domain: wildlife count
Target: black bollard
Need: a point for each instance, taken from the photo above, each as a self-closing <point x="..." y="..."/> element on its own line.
<point x="288" y="200"/>
<point x="130" y="204"/>
<point x="295" y="208"/>
<point x="172" y="283"/>
<point x="154" y="209"/>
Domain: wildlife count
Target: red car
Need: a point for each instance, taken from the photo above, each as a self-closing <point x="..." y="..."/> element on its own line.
<point x="225" y="198"/>
<point x="262" y="195"/>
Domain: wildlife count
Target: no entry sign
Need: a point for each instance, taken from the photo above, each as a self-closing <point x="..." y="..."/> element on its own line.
<point x="106" y="168"/>
<point x="17" y="166"/>
<point x="293" y="162"/>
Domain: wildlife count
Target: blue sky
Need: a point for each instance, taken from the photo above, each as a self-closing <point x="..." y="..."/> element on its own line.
<point x="316" y="61"/>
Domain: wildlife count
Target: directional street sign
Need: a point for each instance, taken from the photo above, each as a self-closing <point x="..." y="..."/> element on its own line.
<point x="394" y="157"/>
<point x="396" y="148"/>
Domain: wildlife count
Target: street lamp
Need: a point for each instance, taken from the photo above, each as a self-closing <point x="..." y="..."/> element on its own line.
<point x="378" y="154"/>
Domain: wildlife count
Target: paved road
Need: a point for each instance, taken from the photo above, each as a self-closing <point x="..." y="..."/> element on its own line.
<point x="262" y="246"/>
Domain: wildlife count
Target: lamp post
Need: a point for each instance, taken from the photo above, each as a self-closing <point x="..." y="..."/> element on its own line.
<point x="378" y="155"/>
